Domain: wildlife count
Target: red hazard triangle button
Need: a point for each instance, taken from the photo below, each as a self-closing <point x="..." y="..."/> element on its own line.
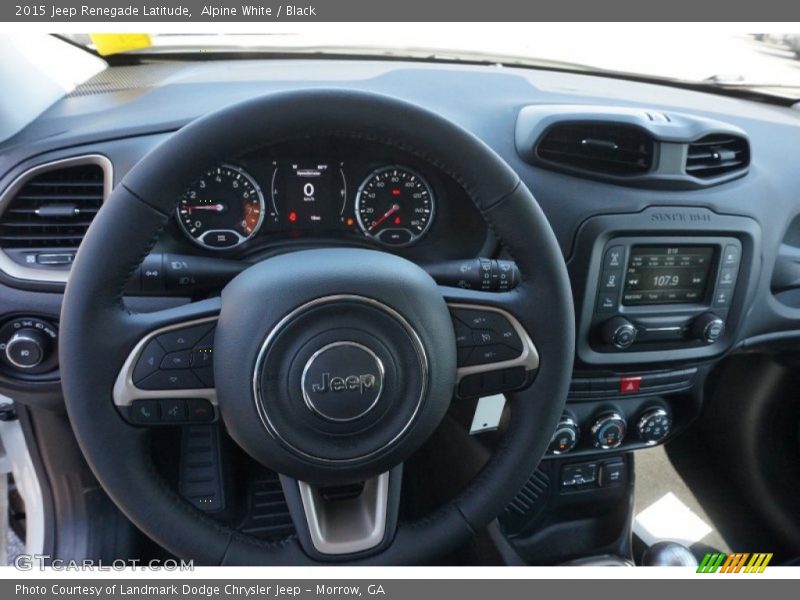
<point x="629" y="385"/>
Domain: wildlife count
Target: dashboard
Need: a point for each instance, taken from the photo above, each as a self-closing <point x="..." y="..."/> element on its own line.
<point x="674" y="263"/>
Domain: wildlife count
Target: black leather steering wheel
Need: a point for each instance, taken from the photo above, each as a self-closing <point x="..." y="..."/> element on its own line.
<point x="371" y="312"/>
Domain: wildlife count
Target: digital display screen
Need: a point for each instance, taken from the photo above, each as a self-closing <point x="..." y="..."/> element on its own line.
<point x="308" y="194"/>
<point x="667" y="275"/>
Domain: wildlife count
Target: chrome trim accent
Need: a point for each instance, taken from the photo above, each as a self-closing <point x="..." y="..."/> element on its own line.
<point x="310" y="403"/>
<point x="256" y="383"/>
<point x="649" y="414"/>
<point x="347" y="526"/>
<point x="566" y="423"/>
<point x="602" y="420"/>
<point x="14" y="269"/>
<point x="529" y="358"/>
<point x="199" y="241"/>
<point x="125" y="391"/>
<point x="414" y="238"/>
<point x="20" y="337"/>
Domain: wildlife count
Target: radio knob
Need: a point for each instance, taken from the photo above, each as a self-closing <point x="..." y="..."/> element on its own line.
<point x="27" y="348"/>
<point x="708" y="327"/>
<point x="619" y="332"/>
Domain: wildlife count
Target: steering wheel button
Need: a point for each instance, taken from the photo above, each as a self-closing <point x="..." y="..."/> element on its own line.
<point x="171" y="380"/>
<point x="145" y="411"/>
<point x="484" y="337"/>
<point x="463" y="334"/>
<point x="202" y="357"/>
<point x="149" y="361"/>
<point x="177" y="360"/>
<point x="183" y="339"/>
<point x="491" y="354"/>
<point x="206" y="375"/>
<point x="474" y="319"/>
<point x="199" y="410"/>
<point x="173" y="410"/>
<point x="505" y="331"/>
<point x="464" y="355"/>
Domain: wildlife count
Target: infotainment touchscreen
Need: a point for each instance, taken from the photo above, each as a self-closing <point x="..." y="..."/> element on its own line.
<point x="668" y="274"/>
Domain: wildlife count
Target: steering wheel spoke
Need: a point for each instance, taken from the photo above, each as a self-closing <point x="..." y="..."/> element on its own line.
<point x="168" y="376"/>
<point x="347" y="520"/>
<point x="495" y="351"/>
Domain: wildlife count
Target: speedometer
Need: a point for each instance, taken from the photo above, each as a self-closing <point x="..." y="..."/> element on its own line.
<point x="222" y="209"/>
<point x="395" y="206"/>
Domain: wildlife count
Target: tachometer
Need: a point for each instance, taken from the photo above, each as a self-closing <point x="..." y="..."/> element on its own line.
<point x="222" y="209"/>
<point x="395" y="206"/>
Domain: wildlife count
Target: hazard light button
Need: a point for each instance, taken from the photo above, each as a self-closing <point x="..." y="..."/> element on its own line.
<point x="630" y="385"/>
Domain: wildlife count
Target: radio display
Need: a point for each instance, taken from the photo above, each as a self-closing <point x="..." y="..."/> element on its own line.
<point x="667" y="275"/>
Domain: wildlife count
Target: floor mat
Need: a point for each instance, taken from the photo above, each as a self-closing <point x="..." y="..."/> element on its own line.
<point x="695" y="487"/>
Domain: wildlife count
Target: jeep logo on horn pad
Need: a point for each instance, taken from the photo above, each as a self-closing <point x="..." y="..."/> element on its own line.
<point x="342" y="381"/>
<point x="340" y="384"/>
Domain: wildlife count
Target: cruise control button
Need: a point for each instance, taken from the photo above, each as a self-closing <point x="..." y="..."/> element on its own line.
<point x="463" y="334"/>
<point x="491" y="354"/>
<point x="149" y="361"/>
<point x="183" y="339"/>
<point x="484" y="337"/>
<point x="474" y="319"/>
<point x="177" y="360"/>
<point x="171" y="380"/>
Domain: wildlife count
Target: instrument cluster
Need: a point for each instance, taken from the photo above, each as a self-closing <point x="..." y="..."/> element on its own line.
<point x="392" y="204"/>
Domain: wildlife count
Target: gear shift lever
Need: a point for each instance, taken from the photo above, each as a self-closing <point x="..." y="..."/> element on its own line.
<point x="668" y="554"/>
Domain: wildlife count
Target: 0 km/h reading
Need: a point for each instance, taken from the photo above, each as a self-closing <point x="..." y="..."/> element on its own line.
<point x="395" y="206"/>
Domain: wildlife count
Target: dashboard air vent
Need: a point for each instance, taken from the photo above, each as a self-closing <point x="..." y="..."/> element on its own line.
<point x="717" y="154"/>
<point x="598" y="147"/>
<point x="54" y="208"/>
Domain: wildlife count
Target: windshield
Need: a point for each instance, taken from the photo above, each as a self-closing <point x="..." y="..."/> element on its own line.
<point x="695" y="55"/>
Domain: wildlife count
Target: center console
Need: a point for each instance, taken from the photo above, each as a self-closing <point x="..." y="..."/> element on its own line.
<point x="659" y="295"/>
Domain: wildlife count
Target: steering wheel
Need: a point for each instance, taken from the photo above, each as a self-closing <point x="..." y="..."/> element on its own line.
<point x="330" y="365"/>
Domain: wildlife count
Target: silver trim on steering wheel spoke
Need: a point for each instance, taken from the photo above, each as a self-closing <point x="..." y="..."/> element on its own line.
<point x="528" y="358"/>
<point x="125" y="390"/>
<point x="349" y="525"/>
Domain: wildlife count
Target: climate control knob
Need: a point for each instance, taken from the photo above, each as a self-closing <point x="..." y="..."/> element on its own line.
<point x="653" y="426"/>
<point x="619" y="332"/>
<point x="27" y="348"/>
<point x="566" y="435"/>
<point x="708" y="327"/>
<point x="608" y="430"/>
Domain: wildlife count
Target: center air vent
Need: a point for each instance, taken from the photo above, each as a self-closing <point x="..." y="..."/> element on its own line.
<point x="54" y="207"/>
<point x="716" y="155"/>
<point x="599" y="147"/>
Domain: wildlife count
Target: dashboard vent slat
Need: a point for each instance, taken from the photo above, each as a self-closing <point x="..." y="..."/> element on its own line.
<point x="54" y="208"/>
<point x="605" y="148"/>
<point x="715" y="155"/>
